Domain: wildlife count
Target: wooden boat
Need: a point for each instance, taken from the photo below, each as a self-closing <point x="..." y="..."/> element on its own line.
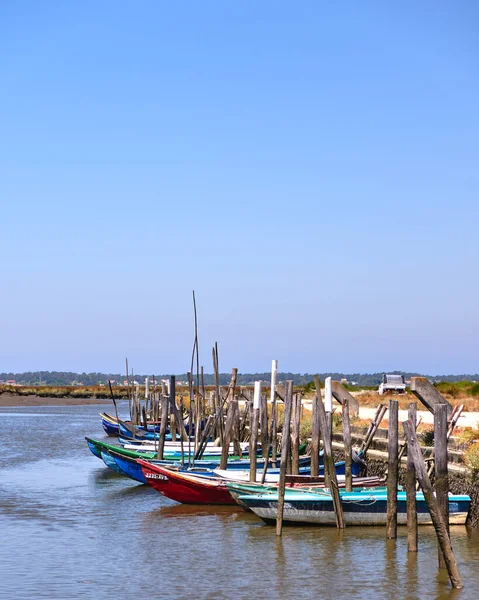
<point x="207" y="461"/>
<point x="301" y="482"/>
<point x="365" y="507"/>
<point x="186" y="488"/>
<point x="111" y="427"/>
<point x="109" y="462"/>
<point x="272" y="475"/>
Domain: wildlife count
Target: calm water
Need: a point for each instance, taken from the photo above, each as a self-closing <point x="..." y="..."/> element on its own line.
<point x="70" y="528"/>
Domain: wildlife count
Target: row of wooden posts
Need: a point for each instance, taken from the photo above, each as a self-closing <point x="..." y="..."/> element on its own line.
<point x="255" y="424"/>
<point x="416" y="472"/>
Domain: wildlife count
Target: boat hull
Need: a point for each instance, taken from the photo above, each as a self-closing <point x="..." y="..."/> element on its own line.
<point x="186" y="489"/>
<point x="364" y="509"/>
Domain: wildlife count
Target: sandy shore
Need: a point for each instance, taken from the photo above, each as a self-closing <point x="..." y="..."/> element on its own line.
<point x="13" y="400"/>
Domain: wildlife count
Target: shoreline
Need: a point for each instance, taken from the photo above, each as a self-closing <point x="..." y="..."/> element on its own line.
<point x="11" y="400"/>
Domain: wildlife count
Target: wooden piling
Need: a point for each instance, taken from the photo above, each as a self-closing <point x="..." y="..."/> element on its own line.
<point x="392" y="481"/>
<point x="411" y="490"/>
<point x="315" y="436"/>
<point x="329" y="468"/>
<point x="230" y="417"/>
<point x="285" y="445"/>
<point x="348" y="448"/>
<point x="253" y="435"/>
<point x="263" y="417"/>
<point x="295" y="432"/>
<point x="163" y="425"/>
<point x="433" y="505"/>
<point x="440" y="464"/>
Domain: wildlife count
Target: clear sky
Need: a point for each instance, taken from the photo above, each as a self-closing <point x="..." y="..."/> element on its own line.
<point x="310" y="169"/>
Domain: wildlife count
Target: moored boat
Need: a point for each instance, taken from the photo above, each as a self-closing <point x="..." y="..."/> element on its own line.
<point x="186" y="488"/>
<point x="365" y="507"/>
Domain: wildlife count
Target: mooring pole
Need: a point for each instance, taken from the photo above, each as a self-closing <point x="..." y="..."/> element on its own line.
<point x="253" y="436"/>
<point x="348" y="449"/>
<point x="295" y="430"/>
<point x="433" y="505"/>
<point x="440" y="464"/>
<point x="392" y="482"/>
<point x="411" y="490"/>
<point x="285" y="450"/>
<point x="274" y="413"/>
<point x="315" y="435"/>
<point x="329" y="468"/>
<point x="328" y="403"/>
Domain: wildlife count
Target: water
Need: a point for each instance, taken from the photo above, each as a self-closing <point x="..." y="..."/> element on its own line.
<point x="71" y="529"/>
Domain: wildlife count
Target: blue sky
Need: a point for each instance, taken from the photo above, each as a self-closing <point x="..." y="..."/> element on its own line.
<point x="310" y="169"/>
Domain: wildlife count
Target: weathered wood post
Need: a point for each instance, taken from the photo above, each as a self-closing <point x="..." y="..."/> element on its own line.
<point x="163" y="425"/>
<point x="295" y="432"/>
<point x="440" y="464"/>
<point x="263" y="416"/>
<point x="274" y="412"/>
<point x="348" y="448"/>
<point x="315" y="436"/>
<point x="329" y="468"/>
<point x="411" y="491"/>
<point x="218" y="395"/>
<point x="253" y="435"/>
<point x="285" y="445"/>
<point x="328" y="403"/>
<point x="433" y="505"/>
<point x="392" y="482"/>
<point x="230" y="418"/>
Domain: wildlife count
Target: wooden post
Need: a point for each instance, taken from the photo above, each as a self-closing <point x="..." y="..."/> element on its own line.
<point x="295" y="431"/>
<point x="329" y="468"/>
<point x="285" y="444"/>
<point x="433" y="505"/>
<point x="263" y="417"/>
<point x="328" y="403"/>
<point x="163" y="425"/>
<point x="230" y="416"/>
<point x="253" y="435"/>
<point x="440" y="464"/>
<point x="411" y="491"/>
<point x="348" y="448"/>
<point x="218" y="396"/>
<point x="315" y="437"/>
<point x="375" y="423"/>
<point x="392" y="482"/>
<point x="236" y="426"/>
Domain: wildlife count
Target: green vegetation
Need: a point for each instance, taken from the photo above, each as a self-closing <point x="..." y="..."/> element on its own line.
<point x="468" y="435"/>
<point x="458" y="389"/>
<point x="427" y="437"/>
<point x="471" y="458"/>
<point x="103" y="392"/>
<point x="363" y="381"/>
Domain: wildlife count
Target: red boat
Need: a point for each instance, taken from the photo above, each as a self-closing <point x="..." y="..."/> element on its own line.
<point x="186" y="488"/>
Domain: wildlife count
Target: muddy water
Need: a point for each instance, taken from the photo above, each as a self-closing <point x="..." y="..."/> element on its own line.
<point x="70" y="528"/>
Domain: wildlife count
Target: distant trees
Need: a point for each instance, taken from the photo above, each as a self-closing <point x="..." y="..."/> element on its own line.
<point x="60" y="378"/>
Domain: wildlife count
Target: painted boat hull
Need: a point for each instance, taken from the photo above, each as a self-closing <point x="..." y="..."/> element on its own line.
<point x="359" y="508"/>
<point x="186" y="489"/>
<point x="110" y="462"/>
